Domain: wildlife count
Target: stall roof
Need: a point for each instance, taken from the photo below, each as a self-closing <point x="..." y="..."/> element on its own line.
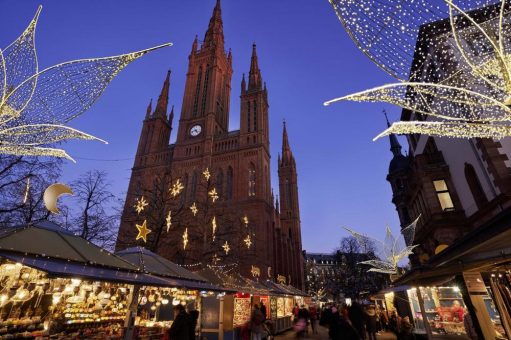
<point x="47" y="239"/>
<point x="153" y="263"/>
<point x="233" y="282"/>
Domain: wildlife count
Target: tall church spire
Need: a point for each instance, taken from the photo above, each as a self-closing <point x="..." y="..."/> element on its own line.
<point x="149" y="109"/>
<point x="287" y="155"/>
<point x="163" y="99"/>
<point x="395" y="147"/>
<point x="215" y="33"/>
<point x="254" y="76"/>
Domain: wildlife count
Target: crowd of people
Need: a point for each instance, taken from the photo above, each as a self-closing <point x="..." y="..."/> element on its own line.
<point x="363" y="322"/>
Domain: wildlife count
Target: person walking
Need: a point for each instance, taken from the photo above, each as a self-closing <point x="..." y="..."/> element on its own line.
<point x="341" y="329"/>
<point x="406" y="329"/>
<point x="357" y="318"/>
<point x="313" y="315"/>
<point x="296" y="309"/>
<point x="180" y="329"/>
<point x="256" y="324"/>
<point x="262" y="308"/>
<point x="303" y="318"/>
<point x="371" y="324"/>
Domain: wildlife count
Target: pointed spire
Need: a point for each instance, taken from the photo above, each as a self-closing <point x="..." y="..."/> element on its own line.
<point x="254" y="76"/>
<point x="149" y="108"/>
<point x="215" y="33"/>
<point x="171" y="115"/>
<point x="277" y="205"/>
<point x="395" y="147"/>
<point x="243" y="84"/>
<point x="229" y="57"/>
<point x="287" y="155"/>
<point x="195" y="44"/>
<point x="163" y="99"/>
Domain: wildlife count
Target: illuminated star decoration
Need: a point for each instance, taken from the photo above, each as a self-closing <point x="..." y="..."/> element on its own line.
<point x="226" y="248"/>
<point x="461" y="77"/>
<point x="215" y="259"/>
<point x="213" y="227"/>
<point x="27" y="191"/>
<point x="143" y="231"/>
<point x="168" y="220"/>
<point x="207" y="174"/>
<point x="176" y="188"/>
<point x="140" y="205"/>
<point x="245" y="220"/>
<point x="185" y="238"/>
<point x="194" y="209"/>
<point x="213" y="195"/>
<point x="390" y="251"/>
<point x="248" y="241"/>
<point x="35" y="106"/>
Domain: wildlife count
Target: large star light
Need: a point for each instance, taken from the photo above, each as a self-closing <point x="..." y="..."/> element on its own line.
<point x="390" y="251"/>
<point x="457" y="76"/>
<point x="35" y="106"/>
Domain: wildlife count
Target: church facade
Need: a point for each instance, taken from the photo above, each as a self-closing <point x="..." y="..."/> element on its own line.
<point x="208" y="158"/>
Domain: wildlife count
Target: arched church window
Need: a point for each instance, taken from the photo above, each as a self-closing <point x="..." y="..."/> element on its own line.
<point x="475" y="186"/>
<point x="205" y="91"/>
<point x="194" y="186"/>
<point x="185" y="184"/>
<point x="251" y="180"/>
<point x="255" y="116"/>
<point x="197" y="92"/>
<point x="248" y="116"/>
<point x="220" y="182"/>
<point x="230" y="176"/>
<point x="288" y="193"/>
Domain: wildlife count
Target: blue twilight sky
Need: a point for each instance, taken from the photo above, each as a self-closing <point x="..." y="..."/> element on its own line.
<point x="305" y="57"/>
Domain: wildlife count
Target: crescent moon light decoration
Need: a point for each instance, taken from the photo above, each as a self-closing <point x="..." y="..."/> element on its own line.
<point x="52" y="194"/>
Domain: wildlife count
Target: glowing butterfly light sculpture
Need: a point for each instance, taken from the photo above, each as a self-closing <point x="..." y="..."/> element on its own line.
<point x="452" y="60"/>
<point x="36" y="105"/>
<point x="390" y="251"/>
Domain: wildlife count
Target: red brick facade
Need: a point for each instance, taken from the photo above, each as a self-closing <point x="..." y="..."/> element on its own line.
<point x="239" y="161"/>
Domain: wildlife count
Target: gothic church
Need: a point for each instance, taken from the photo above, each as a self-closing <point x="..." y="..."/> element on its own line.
<point x="239" y="161"/>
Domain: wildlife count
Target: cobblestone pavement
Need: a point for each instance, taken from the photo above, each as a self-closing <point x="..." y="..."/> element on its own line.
<point x="323" y="334"/>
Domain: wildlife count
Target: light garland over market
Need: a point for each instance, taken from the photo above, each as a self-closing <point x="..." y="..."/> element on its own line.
<point x="457" y="75"/>
<point x="35" y="105"/>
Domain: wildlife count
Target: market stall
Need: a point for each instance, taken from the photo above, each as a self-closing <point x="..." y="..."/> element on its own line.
<point x="53" y="283"/>
<point x="154" y="311"/>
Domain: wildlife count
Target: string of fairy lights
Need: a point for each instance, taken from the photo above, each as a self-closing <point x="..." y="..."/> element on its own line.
<point x="176" y="189"/>
<point x="452" y="60"/>
<point x="35" y="106"/>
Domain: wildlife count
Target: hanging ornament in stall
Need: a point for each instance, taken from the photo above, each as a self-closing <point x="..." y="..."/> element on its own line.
<point x="194" y="209"/>
<point x="168" y="221"/>
<point x="35" y="106"/>
<point x="143" y="231"/>
<point x="176" y="188"/>
<point x="455" y="77"/>
<point x="207" y="174"/>
<point x="140" y="205"/>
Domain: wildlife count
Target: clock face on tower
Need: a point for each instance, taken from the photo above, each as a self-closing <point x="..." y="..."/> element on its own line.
<point x="195" y="130"/>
